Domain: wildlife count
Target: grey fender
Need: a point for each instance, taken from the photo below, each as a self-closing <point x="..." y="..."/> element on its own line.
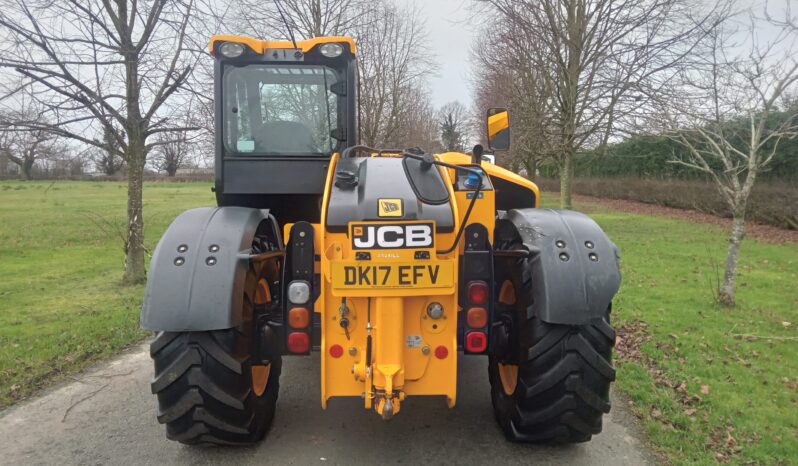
<point x="202" y="287"/>
<point x="574" y="266"/>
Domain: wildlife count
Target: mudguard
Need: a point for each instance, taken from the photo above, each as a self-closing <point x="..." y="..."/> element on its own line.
<point x="198" y="270"/>
<point x="574" y="265"/>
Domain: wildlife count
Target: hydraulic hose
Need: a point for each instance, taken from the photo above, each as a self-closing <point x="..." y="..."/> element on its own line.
<point x="429" y="159"/>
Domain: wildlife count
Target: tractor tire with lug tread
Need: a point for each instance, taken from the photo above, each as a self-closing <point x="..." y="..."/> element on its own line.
<point x="557" y="389"/>
<point x="205" y="387"/>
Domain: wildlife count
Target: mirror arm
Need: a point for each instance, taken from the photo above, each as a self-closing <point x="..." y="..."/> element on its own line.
<point x="476" y="154"/>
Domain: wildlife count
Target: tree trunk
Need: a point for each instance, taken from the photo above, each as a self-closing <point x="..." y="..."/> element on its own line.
<point x="3" y="163"/>
<point x="530" y="163"/>
<point x="134" y="247"/>
<point x="566" y="178"/>
<point x="726" y="292"/>
<point x="27" y="169"/>
<point x="135" y="156"/>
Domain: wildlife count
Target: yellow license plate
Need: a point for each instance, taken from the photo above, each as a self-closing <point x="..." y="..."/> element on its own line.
<point x="361" y="274"/>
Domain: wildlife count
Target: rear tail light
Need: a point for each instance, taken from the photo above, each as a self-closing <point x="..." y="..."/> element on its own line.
<point x="298" y="317"/>
<point x="477" y="317"/>
<point x="476" y="342"/>
<point x="298" y="342"/>
<point x="478" y="292"/>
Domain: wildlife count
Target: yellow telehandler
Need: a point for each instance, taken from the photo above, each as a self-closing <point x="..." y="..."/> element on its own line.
<point x="390" y="262"/>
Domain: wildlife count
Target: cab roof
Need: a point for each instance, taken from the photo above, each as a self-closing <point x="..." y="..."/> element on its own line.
<point x="259" y="45"/>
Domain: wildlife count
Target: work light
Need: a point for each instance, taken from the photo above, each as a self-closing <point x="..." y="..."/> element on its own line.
<point x="232" y="49"/>
<point x="331" y="50"/>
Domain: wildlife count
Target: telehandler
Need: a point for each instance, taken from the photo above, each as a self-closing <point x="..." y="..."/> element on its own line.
<point x="390" y="262"/>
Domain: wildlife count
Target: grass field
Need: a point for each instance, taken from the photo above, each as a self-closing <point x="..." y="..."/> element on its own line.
<point x="61" y="303"/>
<point x="704" y="394"/>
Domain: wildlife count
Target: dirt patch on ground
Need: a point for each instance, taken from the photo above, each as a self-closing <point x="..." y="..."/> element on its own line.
<point x="758" y="231"/>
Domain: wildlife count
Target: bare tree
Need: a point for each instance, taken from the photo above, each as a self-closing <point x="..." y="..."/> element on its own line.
<point x="103" y="67"/>
<point x="4" y="161"/>
<point x="782" y="17"/>
<point x="107" y="159"/>
<point x="23" y="146"/>
<point x="304" y="18"/>
<point x="504" y="76"/>
<point x="64" y="161"/>
<point x="419" y="126"/>
<point x="722" y="114"/>
<point x="108" y="163"/>
<point x="77" y="163"/>
<point x="173" y="152"/>
<point x="590" y="56"/>
<point x="393" y="63"/>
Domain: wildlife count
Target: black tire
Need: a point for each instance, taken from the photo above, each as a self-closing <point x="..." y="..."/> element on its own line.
<point x="203" y="381"/>
<point x="564" y="372"/>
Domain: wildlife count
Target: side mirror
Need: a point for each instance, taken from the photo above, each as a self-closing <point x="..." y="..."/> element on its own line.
<point x="498" y="129"/>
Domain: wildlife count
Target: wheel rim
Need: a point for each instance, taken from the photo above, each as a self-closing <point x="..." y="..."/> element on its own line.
<point x="508" y="373"/>
<point x="260" y="378"/>
<point x="262" y="293"/>
<point x="507" y="293"/>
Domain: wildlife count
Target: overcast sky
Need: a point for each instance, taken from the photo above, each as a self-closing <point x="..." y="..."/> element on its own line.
<point x="450" y="38"/>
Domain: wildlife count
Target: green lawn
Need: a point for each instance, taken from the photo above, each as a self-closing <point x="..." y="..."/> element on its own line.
<point x="61" y="308"/>
<point x="748" y="410"/>
<point x="61" y="303"/>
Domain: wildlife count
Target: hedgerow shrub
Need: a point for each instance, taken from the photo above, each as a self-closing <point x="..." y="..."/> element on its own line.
<point x="774" y="203"/>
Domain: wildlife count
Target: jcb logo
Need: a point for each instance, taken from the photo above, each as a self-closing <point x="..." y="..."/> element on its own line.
<point x="389" y="208"/>
<point x="392" y="236"/>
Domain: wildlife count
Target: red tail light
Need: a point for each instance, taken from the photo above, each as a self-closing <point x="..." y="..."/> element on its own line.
<point x="441" y="352"/>
<point x="476" y="342"/>
<point x="478" y="292"/>
<point x="298" y="342"/>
